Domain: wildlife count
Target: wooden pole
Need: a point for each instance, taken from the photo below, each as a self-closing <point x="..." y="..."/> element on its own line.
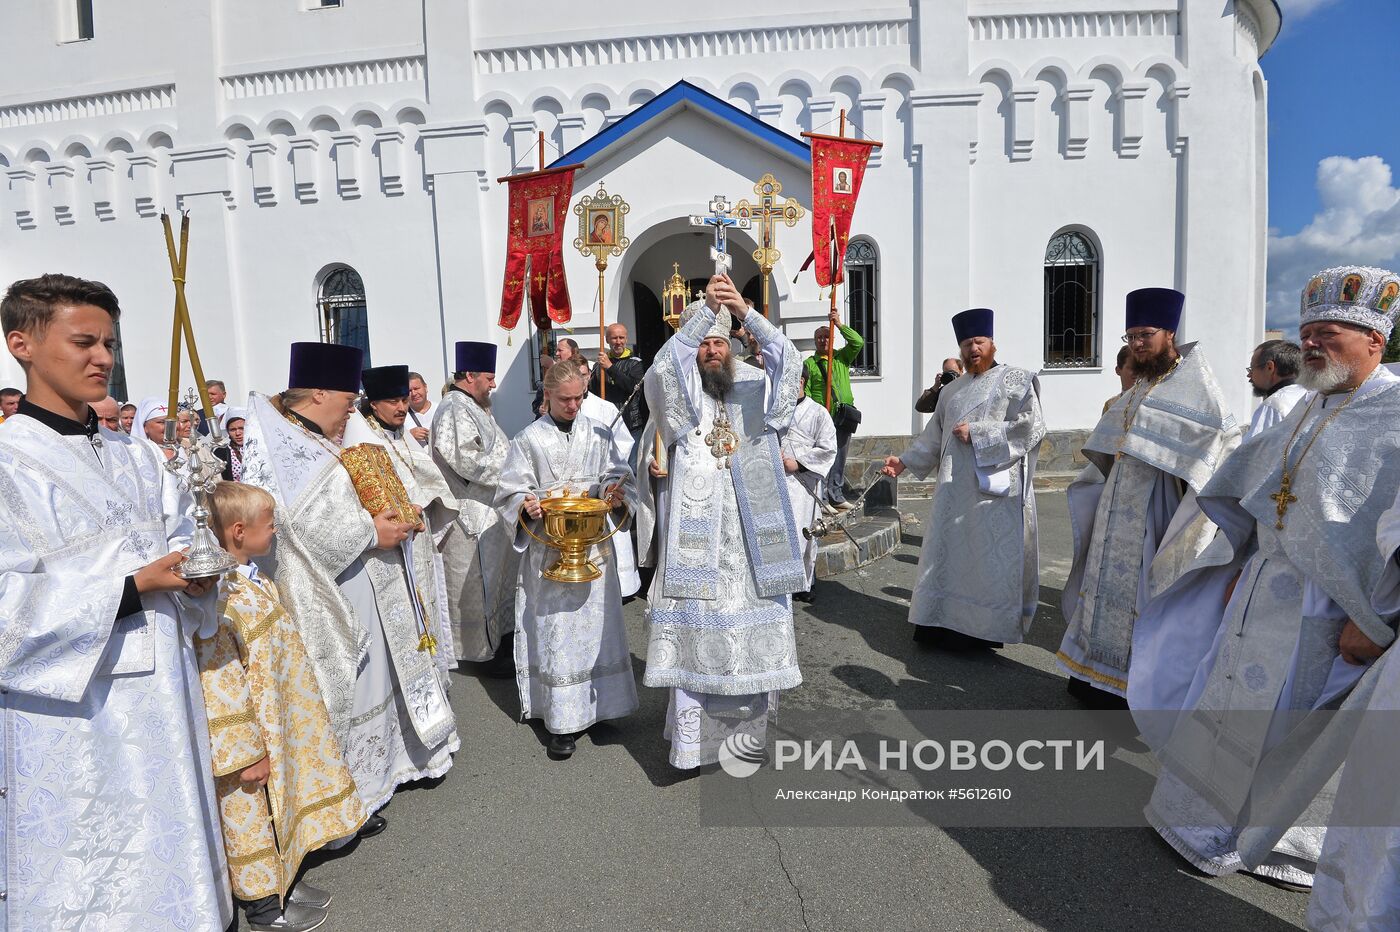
<point x="831" y="319"/>
<point x="602" y="341"/>
<point x="540" y="143"/>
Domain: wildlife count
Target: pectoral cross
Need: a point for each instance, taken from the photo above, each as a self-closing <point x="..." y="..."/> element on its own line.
<point x="721" y="221"/>
<point x="1283" y="498"/>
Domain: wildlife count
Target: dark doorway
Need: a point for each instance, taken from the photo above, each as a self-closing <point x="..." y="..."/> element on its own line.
<point x="652" y="330"/>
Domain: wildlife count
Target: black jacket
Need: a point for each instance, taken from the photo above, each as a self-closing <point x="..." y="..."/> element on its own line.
<point x="623" y="376"/>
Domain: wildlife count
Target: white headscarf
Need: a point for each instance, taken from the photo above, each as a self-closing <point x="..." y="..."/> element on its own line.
<point x="152" y="406"/>
<point x="233" y="414"/>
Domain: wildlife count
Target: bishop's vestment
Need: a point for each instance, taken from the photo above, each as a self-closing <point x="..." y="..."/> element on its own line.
<point x="729" y="550"/>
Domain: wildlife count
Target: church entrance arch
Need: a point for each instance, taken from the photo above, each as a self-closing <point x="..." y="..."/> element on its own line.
<point x="653" y="258"/>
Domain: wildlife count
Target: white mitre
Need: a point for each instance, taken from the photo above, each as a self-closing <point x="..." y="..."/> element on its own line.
<point x="722" y="325"/>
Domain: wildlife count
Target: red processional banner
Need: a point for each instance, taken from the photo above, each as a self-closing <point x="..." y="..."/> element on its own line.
<point x="838" y="167"/>
<point x="539" y="204"/>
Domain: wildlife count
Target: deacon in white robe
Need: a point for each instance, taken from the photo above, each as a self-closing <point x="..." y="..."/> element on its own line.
<point x="606" y="413"/>
<point x="808" y="446"/>
<point x="729" y="553"/>
<point x="1276" y="617"/>
<point x="1275" y="407"/>
<point x="482" y="567"/>
<point x="1133" y="515"/>
<point x="386" y="422"/>
<point x="573" y="666"/>
<point x="342" y="574"/>
<point x="978" y="580"/>
<point x="108" y="809"/>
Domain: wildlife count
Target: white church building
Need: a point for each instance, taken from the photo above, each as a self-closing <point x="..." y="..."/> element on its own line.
<point x="339" y="159"/>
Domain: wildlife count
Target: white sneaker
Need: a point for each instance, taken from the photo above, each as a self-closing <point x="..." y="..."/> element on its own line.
<point x="844" y="506"/>
<point x="828" y="510"/>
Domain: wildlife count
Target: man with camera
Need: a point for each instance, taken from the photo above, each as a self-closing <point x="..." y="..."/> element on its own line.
<point x="928" y="401"/>
<point x="843" y="409"/>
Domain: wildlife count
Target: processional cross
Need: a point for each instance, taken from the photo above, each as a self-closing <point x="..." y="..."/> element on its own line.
<point x="720" y="219"/>
<point x="768" y="211"/>
<point x="721" y="439"/>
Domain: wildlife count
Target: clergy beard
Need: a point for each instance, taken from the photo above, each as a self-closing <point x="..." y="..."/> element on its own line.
<point x="1326" y="379"/>
<point x="1158" y="365"/>
<point x="718" y="382"/>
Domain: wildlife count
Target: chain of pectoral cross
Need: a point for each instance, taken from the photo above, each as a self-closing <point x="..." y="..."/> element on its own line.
<point x="1284" y="496"/>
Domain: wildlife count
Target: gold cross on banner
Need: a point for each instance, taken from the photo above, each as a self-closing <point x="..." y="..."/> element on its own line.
<point x="540" y="279"/>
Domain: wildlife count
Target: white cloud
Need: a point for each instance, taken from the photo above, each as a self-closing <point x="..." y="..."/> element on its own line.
<point x="1294" y="10"/>
<point x="1358" y="223"/>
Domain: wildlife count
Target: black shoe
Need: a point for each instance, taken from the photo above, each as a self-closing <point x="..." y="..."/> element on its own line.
<point x="926" y="634"/>
<point x="804" y="597"/>
<point x="293" y="919"/>
<point x="563" y="746"/>
<point x="373" y="826"/>
<point x="1095" y="698"/>
<point x="303" y="894"/>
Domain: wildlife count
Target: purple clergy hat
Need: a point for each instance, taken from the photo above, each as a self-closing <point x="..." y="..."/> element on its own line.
<point x="385" y="382"/>
<point x="1155" y="307"/>
<point x="975" y="322"/>
<point x="328" y="366"/>
<point x="474" y="356"/>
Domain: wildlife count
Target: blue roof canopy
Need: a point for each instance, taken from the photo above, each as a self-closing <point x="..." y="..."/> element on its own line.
<point x="684" y="95"/>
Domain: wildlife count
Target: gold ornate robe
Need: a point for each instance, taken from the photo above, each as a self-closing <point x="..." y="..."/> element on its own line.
<point x="262" y="699"/>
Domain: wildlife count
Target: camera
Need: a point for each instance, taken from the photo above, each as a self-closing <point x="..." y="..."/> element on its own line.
<point x="946" y="377"/>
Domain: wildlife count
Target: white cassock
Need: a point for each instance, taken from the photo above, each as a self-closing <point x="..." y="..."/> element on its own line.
<point x="572" y="663"/>
<point x="728" y="549"/>
<point x="353" y="606"/>
<point x="469" y="449"/>
<point x="978" y="569"/>
<point x="109" y="812"/>
<point x="1275" y="408"/>
<point x="1245" y="672"/>
<point x="428" y="490"/>
<point x="606" y="414"/>
<point x="810" y="440"/>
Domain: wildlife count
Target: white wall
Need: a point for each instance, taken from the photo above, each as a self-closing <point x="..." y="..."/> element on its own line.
<point x="372" y="136"/>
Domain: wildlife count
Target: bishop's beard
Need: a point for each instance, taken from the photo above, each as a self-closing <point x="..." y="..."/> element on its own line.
<point x="1158" y="365"/>
<point x="1326" y="379"/>
<point x="718" y="382"/>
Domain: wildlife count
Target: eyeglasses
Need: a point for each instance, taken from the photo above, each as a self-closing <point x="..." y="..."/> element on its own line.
<point x="1141" y="336"/>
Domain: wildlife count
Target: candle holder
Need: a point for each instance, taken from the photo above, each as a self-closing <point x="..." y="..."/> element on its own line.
<point x="197" y="468"/>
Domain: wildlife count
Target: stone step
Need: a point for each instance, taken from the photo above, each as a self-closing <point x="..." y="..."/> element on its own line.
<point x="866" y="539"/>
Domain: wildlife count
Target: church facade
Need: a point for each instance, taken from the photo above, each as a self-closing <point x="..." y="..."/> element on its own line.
<point x="339" y="160"/>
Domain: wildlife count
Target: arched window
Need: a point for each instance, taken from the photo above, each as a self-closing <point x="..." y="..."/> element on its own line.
<point x="1071" y="302"/>
<point x="863" y="302"/>
<point x="344" y="314"/>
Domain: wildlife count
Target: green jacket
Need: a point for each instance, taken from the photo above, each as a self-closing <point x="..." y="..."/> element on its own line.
<point x="814" y="370"/>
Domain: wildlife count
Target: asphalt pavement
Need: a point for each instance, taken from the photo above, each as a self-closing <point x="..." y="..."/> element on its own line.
<point x="614" y="838"/>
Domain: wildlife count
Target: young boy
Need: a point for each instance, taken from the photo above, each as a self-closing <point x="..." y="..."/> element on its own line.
<point x="105" y="789"/>
<point x="268" y="728"/>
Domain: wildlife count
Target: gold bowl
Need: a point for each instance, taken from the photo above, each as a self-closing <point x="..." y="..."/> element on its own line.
<point x="572" y="525"/>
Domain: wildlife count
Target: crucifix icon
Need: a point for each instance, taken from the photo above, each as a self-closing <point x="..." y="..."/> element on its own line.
<point x="1283" y="498"/>
<point x="768" y="211"/>
<point x="719" y="218"/>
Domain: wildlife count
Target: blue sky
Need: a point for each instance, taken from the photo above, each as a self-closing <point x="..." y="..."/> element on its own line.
<point x="1334" y="143"/>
